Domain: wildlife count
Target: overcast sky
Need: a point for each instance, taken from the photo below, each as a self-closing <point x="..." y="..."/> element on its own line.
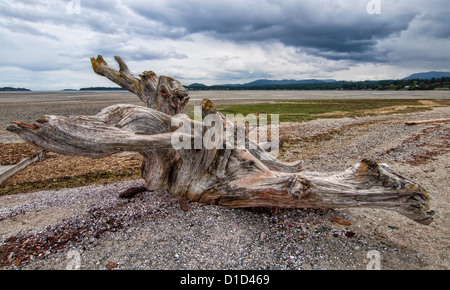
<point x="46" y="45"/>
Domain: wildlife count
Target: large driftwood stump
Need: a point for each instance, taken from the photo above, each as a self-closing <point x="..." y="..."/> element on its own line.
<point x="236" y="177"/>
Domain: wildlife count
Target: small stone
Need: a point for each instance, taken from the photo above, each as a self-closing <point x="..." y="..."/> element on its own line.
<point x="349" y="234"/>
<point x="111" y="265"/>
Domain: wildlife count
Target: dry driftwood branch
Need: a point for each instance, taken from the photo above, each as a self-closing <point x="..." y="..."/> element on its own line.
<point x="427" y="121"/>
<point x="24" y="163"/>
<point x="229" y="177"/>
<point x="163" y="94"/>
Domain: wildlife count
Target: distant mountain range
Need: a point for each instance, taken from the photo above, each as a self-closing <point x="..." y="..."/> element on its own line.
<point x="428" y="75"/>
<point x="265" y="82"/>
<point x="428" y="81"/>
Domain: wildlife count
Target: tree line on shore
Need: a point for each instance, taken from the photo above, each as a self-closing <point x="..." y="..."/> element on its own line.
<point x="410" y="84"/>
<point x="405" y="84"/>
<point x="11" y="89"/>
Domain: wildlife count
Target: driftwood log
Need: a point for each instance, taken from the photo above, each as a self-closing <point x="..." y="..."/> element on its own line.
<point x="236" y="177"/>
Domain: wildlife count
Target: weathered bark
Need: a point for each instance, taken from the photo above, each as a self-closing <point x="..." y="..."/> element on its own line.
<point x="228" y="177"/>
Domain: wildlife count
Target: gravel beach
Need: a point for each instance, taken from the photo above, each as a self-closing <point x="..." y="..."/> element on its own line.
<point x="47" y="229"/>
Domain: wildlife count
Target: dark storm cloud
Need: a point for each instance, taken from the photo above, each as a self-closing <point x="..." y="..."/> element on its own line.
<point x="335" y="30"/>
<point x="343" y="30"/>
<point x="435" y="24"/>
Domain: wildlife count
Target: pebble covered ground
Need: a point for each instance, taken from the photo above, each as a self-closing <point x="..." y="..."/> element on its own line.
<point x="44" y="230"/>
